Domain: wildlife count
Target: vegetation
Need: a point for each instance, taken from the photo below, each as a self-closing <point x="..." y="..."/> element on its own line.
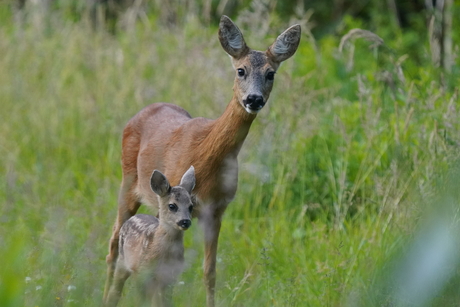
<point x="343" y="174"/>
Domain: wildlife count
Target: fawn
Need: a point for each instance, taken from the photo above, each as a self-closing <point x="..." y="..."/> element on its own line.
<point x="155" y="246"/>
<point x="165" y="137"/>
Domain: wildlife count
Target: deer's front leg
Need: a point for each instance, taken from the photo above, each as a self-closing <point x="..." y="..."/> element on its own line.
<point x="115" y="289"/>
<point x="158" y="292"/>
<point x="211" y="223"/>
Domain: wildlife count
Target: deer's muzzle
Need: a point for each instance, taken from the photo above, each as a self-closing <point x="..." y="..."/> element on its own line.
<point x="184" y="224"/>
<point x="254" y="103"/>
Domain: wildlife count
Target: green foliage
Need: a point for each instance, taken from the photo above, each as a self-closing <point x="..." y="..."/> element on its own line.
<point x="333" y="175"/>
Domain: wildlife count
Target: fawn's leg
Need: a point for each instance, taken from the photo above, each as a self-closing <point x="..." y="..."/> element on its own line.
<point x="166" y="295"/>
<point x="161" y="295"/>
<point x="115" y="289"/>
<point x="153" y="291"/>
<point x="211" y="222"/>
<point x="128" y="203"/>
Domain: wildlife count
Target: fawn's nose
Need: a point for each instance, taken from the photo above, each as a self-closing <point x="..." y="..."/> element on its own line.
<point x="254" y="102"/>
<point x="184" y="224"/>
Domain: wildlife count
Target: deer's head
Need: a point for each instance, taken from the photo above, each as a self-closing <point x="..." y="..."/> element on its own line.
<point x="175" y="202"/>
<point x="255" y="70"/>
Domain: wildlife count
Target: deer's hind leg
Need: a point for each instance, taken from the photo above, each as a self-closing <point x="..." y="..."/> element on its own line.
<point x="128" y="200"/>
<point x="128" y="204"/>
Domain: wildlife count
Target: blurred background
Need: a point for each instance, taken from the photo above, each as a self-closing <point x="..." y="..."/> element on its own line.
<point x="348" y="189"/>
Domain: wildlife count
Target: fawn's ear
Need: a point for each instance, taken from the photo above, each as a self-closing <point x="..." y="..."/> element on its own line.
<point x="188" y="180"/>
<point x="285" y="45"/>
<point x="159" y="183"/>
<point x="231" y="38"/>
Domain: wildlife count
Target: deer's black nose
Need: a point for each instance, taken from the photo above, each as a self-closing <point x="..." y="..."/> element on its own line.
<point x="254" y="102"/>
<point x="184" y="224"/>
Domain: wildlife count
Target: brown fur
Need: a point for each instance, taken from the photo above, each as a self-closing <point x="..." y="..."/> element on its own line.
<point x="164" y="136"/>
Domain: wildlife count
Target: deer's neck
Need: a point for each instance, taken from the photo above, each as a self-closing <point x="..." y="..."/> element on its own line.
<point x="167" y="233"/>
<point x="166" y="244"/>
<point x="228" y="132"/>
<point x="216" y="166"/>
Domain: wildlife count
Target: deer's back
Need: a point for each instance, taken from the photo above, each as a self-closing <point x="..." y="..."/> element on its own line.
<point x="136" y="235"/>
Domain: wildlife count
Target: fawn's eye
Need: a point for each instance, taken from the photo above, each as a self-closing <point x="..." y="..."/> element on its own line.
<point x="173" y="207"/>
<point x="240" y="72"/>
<point x="270" y="76"/>
<point x="190" y="209"/>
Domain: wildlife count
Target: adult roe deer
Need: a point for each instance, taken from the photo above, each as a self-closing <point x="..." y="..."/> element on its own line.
<point x="165" y="137"/>
<point x="154" y="246"/>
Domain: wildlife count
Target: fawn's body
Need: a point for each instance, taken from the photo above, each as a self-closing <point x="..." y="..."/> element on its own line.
<point x="165" y="137"/>
<point x="154" y="247"/>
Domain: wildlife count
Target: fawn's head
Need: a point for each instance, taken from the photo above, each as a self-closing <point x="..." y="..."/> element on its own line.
<point x="255" y="70"/>
<point x="175" y="202"/>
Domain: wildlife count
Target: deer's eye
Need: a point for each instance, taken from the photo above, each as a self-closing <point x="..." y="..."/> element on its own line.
<point x="241" y="72"/>
<point x="270" y="76"/>
<point x="173" y="207"/>
<point x="190" y="209"/>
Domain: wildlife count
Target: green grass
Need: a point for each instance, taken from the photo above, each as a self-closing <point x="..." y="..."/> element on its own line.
<point x="335" y="176"/>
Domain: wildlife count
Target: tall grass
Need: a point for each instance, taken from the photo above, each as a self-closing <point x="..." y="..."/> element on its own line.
<point x="334" y="176"/>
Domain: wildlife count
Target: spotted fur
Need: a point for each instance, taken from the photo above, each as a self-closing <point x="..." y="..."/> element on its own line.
<point x="152" y="246"/>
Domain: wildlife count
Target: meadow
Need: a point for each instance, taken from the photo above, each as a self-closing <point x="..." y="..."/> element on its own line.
<point x="349" y="169"/>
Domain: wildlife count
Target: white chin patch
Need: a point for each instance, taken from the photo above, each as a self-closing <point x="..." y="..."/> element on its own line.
<point x="251" y="111"/>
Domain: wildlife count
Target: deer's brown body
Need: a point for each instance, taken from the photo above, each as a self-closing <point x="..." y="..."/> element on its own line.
<point x="173" y="147"/>
<point x="165" y="137"/>
<point x="155" y="246"/>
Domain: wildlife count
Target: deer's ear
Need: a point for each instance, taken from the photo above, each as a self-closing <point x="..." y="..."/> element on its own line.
<point x="188" y="180"/>
<point x="159" y="183"/>
<point x="231" y="38"/>
<point x="285" y="45"/>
